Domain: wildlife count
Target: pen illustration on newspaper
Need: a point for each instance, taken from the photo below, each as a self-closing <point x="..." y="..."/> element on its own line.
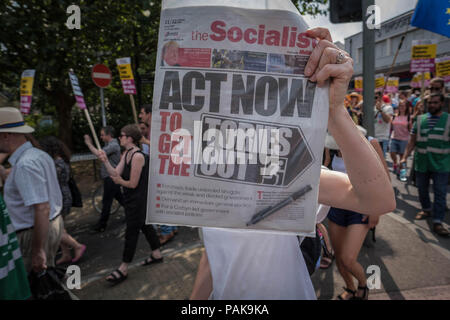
<point x="237" y="129"/>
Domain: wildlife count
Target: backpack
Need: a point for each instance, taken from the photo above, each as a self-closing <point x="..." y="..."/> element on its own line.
<point x="311" y="249"/>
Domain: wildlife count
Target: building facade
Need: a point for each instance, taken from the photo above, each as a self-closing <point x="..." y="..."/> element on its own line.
<point x="387" y="40"/>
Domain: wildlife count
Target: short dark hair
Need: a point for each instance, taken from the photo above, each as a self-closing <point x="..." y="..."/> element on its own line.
<point x="147" y="108"/>
<point x="109" y="131"/>
<point x="55" y="148"/>
<point x="133" y="131"/>
<point x="440" y="95"/>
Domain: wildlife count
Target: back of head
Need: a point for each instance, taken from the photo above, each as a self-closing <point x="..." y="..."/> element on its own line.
<point x="109" y="131"/>
<point x="55" y="148"/>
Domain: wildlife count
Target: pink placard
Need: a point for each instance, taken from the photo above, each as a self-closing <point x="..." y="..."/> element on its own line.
<point x="422" y="65"/>
<point x="128" y="86"/>
<point x="25" y="104"/>
<point x="391" y="89"/>
<point x="80" y="102"/>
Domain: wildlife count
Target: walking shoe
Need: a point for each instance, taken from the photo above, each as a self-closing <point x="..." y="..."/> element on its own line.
<point x="423" y="215"/>
<point x="440" y="230"/>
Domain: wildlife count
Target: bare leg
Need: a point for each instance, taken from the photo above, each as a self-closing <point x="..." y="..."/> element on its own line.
<point x="70" y="242"/>
<point x="352" y="242"/>
<point x="337" y="235"/>
<point x="157" y="254"/>
<point x="394" y="158"/>
<point x="67" y="242"/>
<point x="326" y="237"/>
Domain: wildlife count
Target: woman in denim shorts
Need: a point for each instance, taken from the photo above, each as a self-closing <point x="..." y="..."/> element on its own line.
<point x="401" y="125"/>
<point x="347" y="231"/>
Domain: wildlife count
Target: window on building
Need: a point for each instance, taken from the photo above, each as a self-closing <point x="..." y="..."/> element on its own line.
<point x="388" y="47"/>
<point x="380" y="49"/>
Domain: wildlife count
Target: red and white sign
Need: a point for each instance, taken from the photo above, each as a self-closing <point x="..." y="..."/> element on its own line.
<point x="101" y="75"/>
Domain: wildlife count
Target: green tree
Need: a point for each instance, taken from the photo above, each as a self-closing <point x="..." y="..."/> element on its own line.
<point x="33" y="35"/>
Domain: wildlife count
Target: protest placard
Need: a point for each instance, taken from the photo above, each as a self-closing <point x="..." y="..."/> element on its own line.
<point x="236" y="126"/>
<point x="392" y="84"/>
<point x="127" y="78"/>
<point x="79" y="97"/>
<point x="416" y="81"/>
<point x="423" y="53"/>
<point x="359" y="84"/>
<point x="379" y="82"/>
<point x="443" y="69"/>
<point x="26" y="90"/>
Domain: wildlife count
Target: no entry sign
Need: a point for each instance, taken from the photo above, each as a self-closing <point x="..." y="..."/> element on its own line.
<point x="101" y="75"/>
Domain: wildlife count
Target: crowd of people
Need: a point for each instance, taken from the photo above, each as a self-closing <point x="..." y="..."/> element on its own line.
<point x="352" y="195"/>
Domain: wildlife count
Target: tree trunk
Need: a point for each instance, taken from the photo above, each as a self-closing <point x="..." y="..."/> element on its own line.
<point x="64" y="110"/>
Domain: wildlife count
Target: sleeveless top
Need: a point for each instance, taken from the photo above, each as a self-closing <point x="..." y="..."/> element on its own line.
<point x="140" y="192"/>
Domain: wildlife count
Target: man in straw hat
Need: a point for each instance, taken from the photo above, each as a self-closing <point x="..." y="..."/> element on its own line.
<point x="31" y="193"/>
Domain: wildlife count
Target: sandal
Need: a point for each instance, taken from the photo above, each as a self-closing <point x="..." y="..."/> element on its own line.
<point x="152" y="260"/>
<point x="82" y="250"/>
<point x="422" y="215"/>
<point x="116" y="279"/>
<point x="440" y="230"/>
<point x="365" y="295"/>
<point x="340" y="297"/>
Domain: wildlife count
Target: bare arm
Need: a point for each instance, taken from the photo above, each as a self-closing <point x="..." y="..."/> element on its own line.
<point x="144" y="140"/>
<point x="379" y="151"/>
<point x="137" y="164"/>
<point x="203" y="281"/>
<point x="88" y="142"/>
<point x="113" y="172"/>
<point x="410" y="147"/>
<point x="40" y="235"/>
<point x="366" y="188"/>
<point x="386" y="117"/>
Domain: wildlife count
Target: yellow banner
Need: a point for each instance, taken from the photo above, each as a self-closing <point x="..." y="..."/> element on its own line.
<point x="358" y="83"/>
<point x="443" y="68"/>
<point x="424" y="51"/>
<point x="379" y="81"/>
<point x="26" y="86"/>
<point x="418" y="77"/>
<point x="125" y="72"/>
<point x="392" y="82"/>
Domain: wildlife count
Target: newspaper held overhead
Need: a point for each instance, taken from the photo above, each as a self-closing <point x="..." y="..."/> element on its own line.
<point x="236" y="126"/>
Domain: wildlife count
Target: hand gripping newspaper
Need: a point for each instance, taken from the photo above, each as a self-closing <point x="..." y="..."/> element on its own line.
<point x="237" y="130"/>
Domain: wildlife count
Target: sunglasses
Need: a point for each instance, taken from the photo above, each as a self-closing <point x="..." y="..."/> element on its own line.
<point x="435" y="89"/>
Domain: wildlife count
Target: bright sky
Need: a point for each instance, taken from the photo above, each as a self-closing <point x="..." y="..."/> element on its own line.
<point x="339" y="31"/>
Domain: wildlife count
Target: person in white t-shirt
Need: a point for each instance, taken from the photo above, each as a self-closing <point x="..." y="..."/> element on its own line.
<point x="242" y="264"/>
<point x="383" y="118"/>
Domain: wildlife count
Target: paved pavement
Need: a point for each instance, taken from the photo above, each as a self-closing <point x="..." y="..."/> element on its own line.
<point x="413" y="261"/>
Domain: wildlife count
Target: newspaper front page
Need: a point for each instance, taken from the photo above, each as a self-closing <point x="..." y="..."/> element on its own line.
<point x="236" y="127"/>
